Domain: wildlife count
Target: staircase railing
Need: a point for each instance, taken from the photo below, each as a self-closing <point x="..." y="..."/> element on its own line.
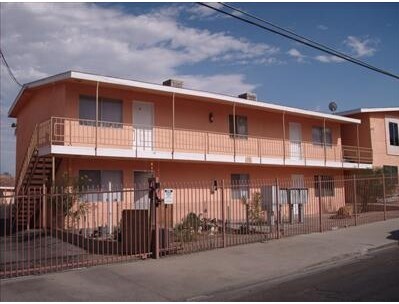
<point x="28" y="156"/>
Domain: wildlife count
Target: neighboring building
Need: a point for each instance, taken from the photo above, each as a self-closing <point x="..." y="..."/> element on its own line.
<point x="120" y="132"/>
<point x="379" y="132"/>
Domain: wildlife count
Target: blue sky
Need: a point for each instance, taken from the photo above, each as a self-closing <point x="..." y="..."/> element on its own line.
<point x="152" y="42"/>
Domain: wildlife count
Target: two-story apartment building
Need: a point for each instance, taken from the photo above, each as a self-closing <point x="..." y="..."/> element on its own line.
<point x="119" y="132"/>
<point x="378" y="131"/>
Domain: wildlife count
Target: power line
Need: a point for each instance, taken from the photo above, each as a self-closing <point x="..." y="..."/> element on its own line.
<point x="3" y="59"/>
<point x="293" y="36"/>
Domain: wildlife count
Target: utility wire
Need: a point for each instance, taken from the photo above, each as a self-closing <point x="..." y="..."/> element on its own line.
<point x="293" y="36"/>
<point x="290" y="32"/>
<point x="3" y="59"/>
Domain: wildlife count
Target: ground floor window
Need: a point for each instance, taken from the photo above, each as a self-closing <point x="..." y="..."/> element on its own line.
<point x="240" y="186"/>
<point x="391" y="173"/>
<point x="108" y="181"/>
<point x="327" y="185"/>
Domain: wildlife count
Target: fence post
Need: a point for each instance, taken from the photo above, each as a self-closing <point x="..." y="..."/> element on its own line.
<point x="384" y="196"/>
<point x="355" y="198"/>
<point x="44" y="203"/>
<point x="277" y="208"/>
<point x="223" y="217"/>
<point x="320" y="219"/>
<point x="152" y="182"/>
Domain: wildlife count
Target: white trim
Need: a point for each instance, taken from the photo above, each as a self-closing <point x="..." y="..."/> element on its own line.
<point x="368" y="110"/>
<point x="271" y="161"/>
<point x="188" y="156"/>
<point x="187" y="92"/>
<point x="116" y="152"/>
<point x="153" y="154"/>
<point x="69" y="150"/>
<point x="222" y="158"/>
<point x="348" y="165"/>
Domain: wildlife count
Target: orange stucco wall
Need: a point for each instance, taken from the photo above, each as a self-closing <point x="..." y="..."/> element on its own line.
<point x="379" y="140"/>
<point x="192" y="183"/>
<point x="372" y="134"/>
<point x="62" y="100"/>
<point x="42" y="104"/>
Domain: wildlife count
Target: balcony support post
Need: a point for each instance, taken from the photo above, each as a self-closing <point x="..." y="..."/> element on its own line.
<point x="284" y="138"/>
<point x="324" y="142"/>
<point x="358" y="146"/>
<point x="173" y="125"/>
<point x="96" y="139"/>
<point x="234" y="130"/>
<point x="52" y="171"/>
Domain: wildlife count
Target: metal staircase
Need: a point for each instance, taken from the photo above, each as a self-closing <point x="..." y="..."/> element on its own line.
<point x="35" y="172"/>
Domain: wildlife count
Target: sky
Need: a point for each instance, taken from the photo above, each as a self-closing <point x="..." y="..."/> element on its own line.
<point x="208" y="51"/>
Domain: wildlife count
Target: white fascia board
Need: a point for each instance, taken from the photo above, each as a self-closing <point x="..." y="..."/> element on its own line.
<point x="369" y="110"/>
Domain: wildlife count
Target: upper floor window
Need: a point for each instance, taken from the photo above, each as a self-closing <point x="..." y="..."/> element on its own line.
<point x="327" y="186"/>
<point x="240" y="186"/>
<point x="241" y="126"/>
<point x="109" y="111"/>
<point x="317" y="136"/>
<point x="393" y="134"/>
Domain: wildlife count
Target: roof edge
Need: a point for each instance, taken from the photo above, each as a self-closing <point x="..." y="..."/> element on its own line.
<point x="368" y="110"/>
<point x="158" y="87"/>
<point x="37" y="83"/>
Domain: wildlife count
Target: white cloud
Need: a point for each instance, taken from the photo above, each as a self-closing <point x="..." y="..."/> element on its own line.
<point x="40" y="39"/>
<point x="329" y="59"/>
<point x="197" y="11"/>
<point x="147" y="46"/>
<point x="361" y="47"/>
<point x="322" y="27"/>
<point x="299" y="57"/>
<point x="226" y="83"/>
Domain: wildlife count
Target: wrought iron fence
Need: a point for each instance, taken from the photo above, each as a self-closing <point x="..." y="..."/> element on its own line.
<point x="52" y="229"/>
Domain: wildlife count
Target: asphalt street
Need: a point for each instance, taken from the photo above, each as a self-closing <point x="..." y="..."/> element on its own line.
<point x="373" y="277"/>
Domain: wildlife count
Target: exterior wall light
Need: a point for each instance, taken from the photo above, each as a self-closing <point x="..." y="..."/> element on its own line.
<point x="211" y="118"/>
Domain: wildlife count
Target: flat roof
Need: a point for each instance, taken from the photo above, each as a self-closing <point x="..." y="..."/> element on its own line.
<point x="368" y="110"/>
<point x="188" y="92"/>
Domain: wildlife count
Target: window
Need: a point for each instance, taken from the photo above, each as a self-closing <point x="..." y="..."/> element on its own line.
<point x="317" y="136"/>
<point x="391" y="174"/>
<point x="241" y="126"/>
<point x="393" y="134"/>
<point x="109" y="111"/>
<point x="327" y="185"/>
<point x="107" y="180"/>
<point x="240" y="186"/>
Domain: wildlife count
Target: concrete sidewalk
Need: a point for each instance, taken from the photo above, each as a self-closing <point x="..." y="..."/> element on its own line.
<point x="199" y="276"/>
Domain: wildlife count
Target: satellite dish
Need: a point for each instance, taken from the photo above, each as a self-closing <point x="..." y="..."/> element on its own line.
<point x="332" y="106"/>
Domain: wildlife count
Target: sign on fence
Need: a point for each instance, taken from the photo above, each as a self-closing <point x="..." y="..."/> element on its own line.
<point x="168" y="196"/>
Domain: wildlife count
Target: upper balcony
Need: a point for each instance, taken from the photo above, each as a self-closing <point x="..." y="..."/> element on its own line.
<point x="68" y="136"/>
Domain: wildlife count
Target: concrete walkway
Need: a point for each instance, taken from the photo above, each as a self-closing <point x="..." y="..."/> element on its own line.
<point x="201" y="276"/>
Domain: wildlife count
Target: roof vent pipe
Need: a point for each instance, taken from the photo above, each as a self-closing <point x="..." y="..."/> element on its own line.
<point x="248" y="96"/>
<point x="173" y="83"/>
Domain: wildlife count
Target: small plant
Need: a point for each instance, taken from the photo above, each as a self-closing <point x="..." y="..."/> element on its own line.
<point x="67" y="199"/>
<point x="369" y="187"/>
<point x="253" y="209"/>
<point x="194" y="225"/>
